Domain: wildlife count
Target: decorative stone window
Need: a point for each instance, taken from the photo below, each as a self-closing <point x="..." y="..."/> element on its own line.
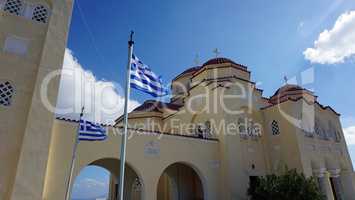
<point x="338" y="136"/>
<point x="208" y="129"/>
<point x="320" y="131"/>
<point x="6" y="93"/>
<point x="242" y="128"/>
<point x="13" y="6"/>
<point x="40" y="14"/>
<point x="137" y="185"/>
<point x="204" y="130"/>
<point x="257" y="131"/>
<point x="331" y="131"/>
<point x="307" y="125"/>
<point x="275" y="128"/>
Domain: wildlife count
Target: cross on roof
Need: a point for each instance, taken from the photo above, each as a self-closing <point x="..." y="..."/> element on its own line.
<point x="285" y="79"/>
<point x="216" y="51"/>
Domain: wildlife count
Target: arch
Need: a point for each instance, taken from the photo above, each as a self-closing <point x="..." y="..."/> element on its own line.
<point x="134" y="186"/>
<point x="180" y="181"/>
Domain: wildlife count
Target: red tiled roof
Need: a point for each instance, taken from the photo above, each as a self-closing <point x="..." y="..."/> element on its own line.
<point x="215" y="61"/>
<point x="190" y="70"/>
<point x="287" y="88"/>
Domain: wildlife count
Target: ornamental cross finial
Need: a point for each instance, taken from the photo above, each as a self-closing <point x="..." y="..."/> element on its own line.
<point x="285" y="79"/>
<point x="217" y="52"/>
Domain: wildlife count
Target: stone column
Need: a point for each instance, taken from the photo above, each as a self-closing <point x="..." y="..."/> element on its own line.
<point x="347" y="183"/>
<point x="112" y="195"/>
<point x="324" y="183"/>
<point x="335" y="178"/>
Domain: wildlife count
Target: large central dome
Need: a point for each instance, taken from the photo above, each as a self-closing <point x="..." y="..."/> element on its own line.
<point x="215" y="61"/>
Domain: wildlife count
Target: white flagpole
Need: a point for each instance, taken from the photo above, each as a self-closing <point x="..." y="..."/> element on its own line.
<point x="125" y="120"/>
<point x="67" y="194"/>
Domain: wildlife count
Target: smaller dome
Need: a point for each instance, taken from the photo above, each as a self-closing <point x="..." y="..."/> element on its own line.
<point x="294" y="92"/>
<point x="287" y="88"/>
<point x="215" y="61"/>
<point x="190" y="70"/>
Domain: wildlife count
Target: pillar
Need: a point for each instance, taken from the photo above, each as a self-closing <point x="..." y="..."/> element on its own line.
<point x="336" y="182"/>
<point x="324" y="183"/>
<point x="347" y="184"/>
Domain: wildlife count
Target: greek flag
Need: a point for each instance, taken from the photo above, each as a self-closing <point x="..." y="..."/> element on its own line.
<point x="91" y="132"/>
<point x="143" y="79"/>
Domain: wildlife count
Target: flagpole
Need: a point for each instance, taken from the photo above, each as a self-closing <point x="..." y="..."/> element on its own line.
<point x="125" y="119"/>
<point x="72" y="164"/>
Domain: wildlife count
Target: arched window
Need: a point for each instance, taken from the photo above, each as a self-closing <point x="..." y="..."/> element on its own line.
<point x="275" y="128"/>
<point x="242" y="127"/>
<point x="13" y="6"/>
<point x="338" y="136"/>
<point x="208" y="129"/>
<point x="40" y="14"/>
<point x="331" y="131"/>
<point x="6" y="93"/>
<point x="317" y="128"/>
<point x="137" y="185"/>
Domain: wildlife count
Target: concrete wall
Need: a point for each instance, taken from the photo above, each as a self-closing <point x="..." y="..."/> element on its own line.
<point x="25" y="126"/>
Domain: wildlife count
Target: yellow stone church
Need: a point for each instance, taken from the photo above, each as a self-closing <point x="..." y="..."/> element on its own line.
<point x="210" y="140"/>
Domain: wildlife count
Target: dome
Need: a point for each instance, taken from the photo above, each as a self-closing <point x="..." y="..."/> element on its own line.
<point x="190" y="70"/>
<point x="215" y="61"/>
<point x="294" y="92"/>
<point x="287" y="88"/>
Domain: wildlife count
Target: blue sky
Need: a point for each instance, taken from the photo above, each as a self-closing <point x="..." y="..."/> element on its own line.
<point x="268" y="37"/>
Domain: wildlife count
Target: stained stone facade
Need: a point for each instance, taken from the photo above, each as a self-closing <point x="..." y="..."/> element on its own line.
<point x="215" y="134"/>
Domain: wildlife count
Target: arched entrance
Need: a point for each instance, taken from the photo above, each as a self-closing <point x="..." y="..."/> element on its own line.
<point x="133" y="184"/>
<point x="180" y="182"/>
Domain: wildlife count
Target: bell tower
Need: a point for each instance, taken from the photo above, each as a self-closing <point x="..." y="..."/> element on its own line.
<point x="33" y="37"/>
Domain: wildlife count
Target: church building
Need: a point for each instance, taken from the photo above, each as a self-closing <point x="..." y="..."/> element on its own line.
<point x="215" y="134"/>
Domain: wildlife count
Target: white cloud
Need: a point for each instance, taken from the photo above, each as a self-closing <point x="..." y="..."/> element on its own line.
<point x="350" y="135"/>
<point x="88" y="188"/>
<point x="101" y="99"/>
<point x="335" y="45"/>
<point x="90" y="183"/>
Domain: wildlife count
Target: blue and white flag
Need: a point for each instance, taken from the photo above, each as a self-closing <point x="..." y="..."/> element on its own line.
<point x="89" y="131"/>
<point x="143" y="79"/>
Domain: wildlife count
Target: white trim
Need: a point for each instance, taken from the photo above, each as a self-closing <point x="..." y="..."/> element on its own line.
<point x="319" y="172"/>
<point x="334" y="173"/>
